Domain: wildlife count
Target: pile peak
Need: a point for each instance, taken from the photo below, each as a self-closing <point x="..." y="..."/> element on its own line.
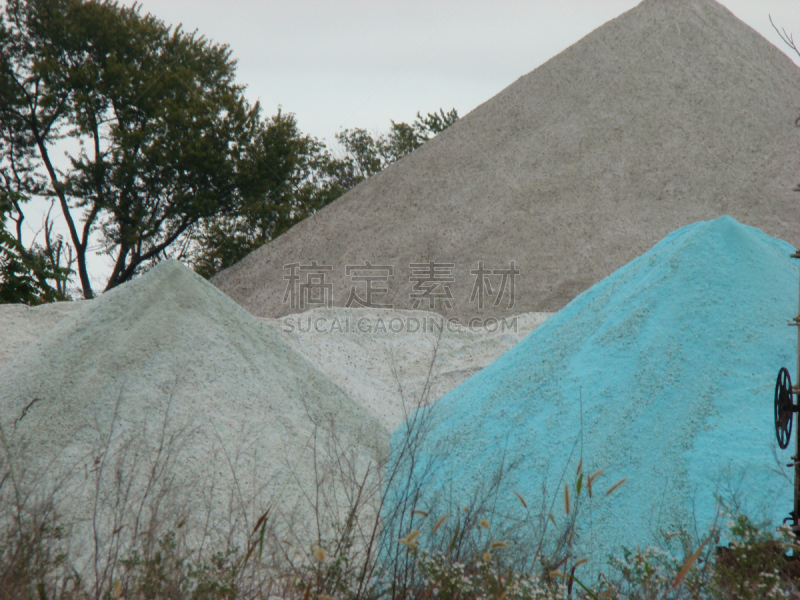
<point x="672" y="113"/>
<point x="166" y="375"/>
<point x="662" y="373"/>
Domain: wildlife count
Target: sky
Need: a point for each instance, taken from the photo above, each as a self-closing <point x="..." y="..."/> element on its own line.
<point x="362" y="63"/>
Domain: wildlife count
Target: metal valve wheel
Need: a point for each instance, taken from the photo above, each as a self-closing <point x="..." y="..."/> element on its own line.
<point x="783" y="408"/>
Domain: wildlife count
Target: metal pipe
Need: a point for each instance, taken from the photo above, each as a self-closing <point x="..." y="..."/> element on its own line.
<point x="796" y="457"/>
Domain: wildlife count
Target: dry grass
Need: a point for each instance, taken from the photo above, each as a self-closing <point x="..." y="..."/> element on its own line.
<point x="139" y="541"/>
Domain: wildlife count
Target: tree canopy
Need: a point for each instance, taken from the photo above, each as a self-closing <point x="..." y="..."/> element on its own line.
<point x="159" y="135"/>
<point x="164" y="155"/>
<point x="27" y="275"/>
<point x="292" y="175"/>
<point x="367" y="154"/>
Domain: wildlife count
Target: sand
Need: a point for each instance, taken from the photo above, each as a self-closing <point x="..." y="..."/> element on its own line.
<point x="166" y="373"/>
<point x="663" y="373"/>
<point x="389" y="374"/>
<point x="390" y="368"/>
<point x="21" y="325"/>
<point x="672" y="113"/>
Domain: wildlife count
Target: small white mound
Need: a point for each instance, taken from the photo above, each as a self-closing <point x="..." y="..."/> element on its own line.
<point x="388" y="373"/>
<point x="163" y="399"/>
<point x="394" y="361"/>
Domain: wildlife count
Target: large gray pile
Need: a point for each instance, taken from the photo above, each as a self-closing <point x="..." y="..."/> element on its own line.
<point x="672" y="113"/>
<point x="164" y="397"/>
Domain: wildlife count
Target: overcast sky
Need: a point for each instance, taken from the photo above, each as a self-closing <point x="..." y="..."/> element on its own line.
<point x="360" y="63"/>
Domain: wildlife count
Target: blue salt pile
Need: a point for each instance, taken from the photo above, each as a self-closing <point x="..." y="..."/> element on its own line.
<point x="663" y="373"/>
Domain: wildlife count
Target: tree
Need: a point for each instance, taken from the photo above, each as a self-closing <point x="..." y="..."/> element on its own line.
<point x="158" y="135"/>
<point x="292" y="176"/>
<point x="297" y="177"/>
<point x="366" y="155"/>
<point x="164" y="157"/>
<point x="26" y="275"/>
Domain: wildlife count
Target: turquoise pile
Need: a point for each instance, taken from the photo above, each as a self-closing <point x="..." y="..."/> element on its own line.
<point x="663" y="373"/>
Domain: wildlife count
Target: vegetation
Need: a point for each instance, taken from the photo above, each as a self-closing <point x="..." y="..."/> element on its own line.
<point x="164" y="156"/>
<point x="146" y="545"/>
<point x="30" y="275"/>
<point x="35" y="563"/>
<point x="155" y="128"/>
<point x="289" y="176"/>
<point x="367" y="154"/>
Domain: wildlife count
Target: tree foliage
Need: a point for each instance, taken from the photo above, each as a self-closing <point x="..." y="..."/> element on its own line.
<point x="159" y="135"/>
<point x="295" y="175"/>
<point x="292" y="176"/>
<point x="137" y="135"/>
<point x="26" y="274"/>
<point x="366" y="154"/>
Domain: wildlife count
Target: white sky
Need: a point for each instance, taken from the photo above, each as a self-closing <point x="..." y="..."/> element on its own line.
<point x="360" y="63"/>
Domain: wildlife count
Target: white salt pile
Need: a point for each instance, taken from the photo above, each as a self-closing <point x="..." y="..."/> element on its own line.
<point x="674" y="112"/>
<point x="20" y="325"/>
<point x="388" y="371"/>
<point x="165" y="399"/>
<point x="399" y="359"/>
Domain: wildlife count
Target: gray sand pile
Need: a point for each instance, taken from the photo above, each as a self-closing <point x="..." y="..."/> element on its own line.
<point x="674" y="112"/>
<point x="169" y="387"/>
<point x="400" y="359"/>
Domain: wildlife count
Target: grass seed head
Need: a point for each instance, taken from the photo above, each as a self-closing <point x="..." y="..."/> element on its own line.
<point x="596" y="474"/>
<point x="410" y="540"/>
<point x="319" y="553"/>
<point x="688" y="565"/>
<point x="439" y="523"/>
<point x="613" y="488"/>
